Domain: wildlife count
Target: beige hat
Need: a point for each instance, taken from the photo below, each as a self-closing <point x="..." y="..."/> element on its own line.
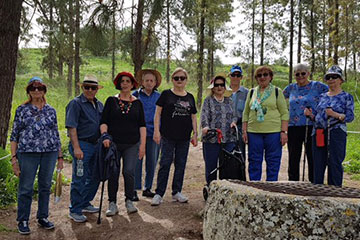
<point x="228" y="91"/>
<point x="90" y="79"/>
<point x="140" y="73"/>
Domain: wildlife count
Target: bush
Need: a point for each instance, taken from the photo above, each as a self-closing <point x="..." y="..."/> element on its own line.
<point x="352" y="159"/>
<point x="8" y="181"/>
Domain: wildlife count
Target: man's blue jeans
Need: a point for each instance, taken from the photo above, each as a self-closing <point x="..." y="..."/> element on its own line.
<point x="172" y="151"/>
<point x="151" y="155"/>
<point x="29" y="165"/>
<point x="84" y="188"/>
<point x="211" y="153"/>
<point x="270" y="143"/>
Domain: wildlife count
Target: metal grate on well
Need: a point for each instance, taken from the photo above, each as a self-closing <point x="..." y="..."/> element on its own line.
<point x="303" y="189"/>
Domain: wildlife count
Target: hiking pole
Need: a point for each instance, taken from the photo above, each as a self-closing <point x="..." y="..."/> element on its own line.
<point x="101" y="201"/>
<point x="305" y="142"/>
<point x="328" y="137"/>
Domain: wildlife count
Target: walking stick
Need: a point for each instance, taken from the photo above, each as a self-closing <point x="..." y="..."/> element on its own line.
<point x="305" y="142"/>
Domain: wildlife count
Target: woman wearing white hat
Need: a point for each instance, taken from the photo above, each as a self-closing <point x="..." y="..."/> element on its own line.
<point x="217" y="113"/>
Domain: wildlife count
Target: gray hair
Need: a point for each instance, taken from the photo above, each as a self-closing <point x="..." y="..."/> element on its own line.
<point x="301" y="67"/>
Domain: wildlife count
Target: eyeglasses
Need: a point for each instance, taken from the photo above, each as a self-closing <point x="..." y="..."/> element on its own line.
<point x="39" y="88"/>
<point x="219" y="84"/>
<point x="90" y="87"/>
<point x="182" y="78"/>
<point x="236" y="75"/>
<point x="328" y="77"/>
<point x="262" y="75"/>
<point x="298" y="74"/>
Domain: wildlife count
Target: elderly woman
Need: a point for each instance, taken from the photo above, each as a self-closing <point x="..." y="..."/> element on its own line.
<point x="217" y="113"/>
<point x="334" y="110"/>
<point x="35" y="145"/>
<point x="177" y="111"/>
<point x="302" y="94"/>
<point x="123" y="119"/>
<point x="150" y="80"/>
<point x="265" y="123"/>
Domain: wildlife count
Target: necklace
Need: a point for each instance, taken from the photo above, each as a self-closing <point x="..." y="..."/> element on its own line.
<point x="125" y="107"/>
<point x="219" y="100"/>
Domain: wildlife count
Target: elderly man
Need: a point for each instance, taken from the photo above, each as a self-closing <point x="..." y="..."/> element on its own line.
<point x="149" y="80"/>
<point x="83" y="115"/>
<point x="239" y="99"/>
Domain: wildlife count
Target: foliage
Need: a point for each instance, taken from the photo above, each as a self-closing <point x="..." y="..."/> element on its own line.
<point x="8" y="181"/>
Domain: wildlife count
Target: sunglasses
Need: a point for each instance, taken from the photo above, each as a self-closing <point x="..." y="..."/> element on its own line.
<point x="219" y="84"/>
<point x="179" y="78"/>
<point x="39" y="88"/>
<point x="298" y="74"/>
<point x="262" y="75"/>
<point x="236" y="75"/>
<point x="90" y="87"/>
<point x="329" y="77"/>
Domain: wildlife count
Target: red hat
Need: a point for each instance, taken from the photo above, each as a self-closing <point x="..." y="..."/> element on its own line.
<point x="133" y="80"/>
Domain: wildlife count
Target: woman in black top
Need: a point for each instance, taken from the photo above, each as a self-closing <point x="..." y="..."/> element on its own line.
<point x="177" y="112"/>
<point x="123" y="119"/>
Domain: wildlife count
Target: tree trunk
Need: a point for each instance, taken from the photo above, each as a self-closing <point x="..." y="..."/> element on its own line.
<point x="137" y="48"/>
<point x="299" y="33"/>
<point x="253" y="44"/>
<point x="113" y="43"/>
<point x="336" y="33"/>
<point x="200" y="42"/>
<point x="324" y="39"/>
<point x="10" y="14"/>
<point x="291" y="40"/>
<point x="51" y="41"/>
<point x="312" y="40"/>
<point x="70" y="53"/>
<point x="346" y="39"/>
<point x="77" y="47"/>
<point x="262" y="33"/>
<point x="330" y="26"/>
<point x="168" y="56"/>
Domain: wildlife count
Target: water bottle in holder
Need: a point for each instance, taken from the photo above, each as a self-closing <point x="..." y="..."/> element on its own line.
<point x="79" y="168"/>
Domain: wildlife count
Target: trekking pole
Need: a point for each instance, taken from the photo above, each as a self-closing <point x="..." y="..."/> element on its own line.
<point x="328" y="138"/>
<point x="305" y="142"/>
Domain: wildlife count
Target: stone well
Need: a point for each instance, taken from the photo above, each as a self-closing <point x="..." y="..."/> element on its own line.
<point x="237" y="211"/>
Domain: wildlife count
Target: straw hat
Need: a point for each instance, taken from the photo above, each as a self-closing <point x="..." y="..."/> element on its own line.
<point x="139" y="75"/>
<point x="90" y="79"/>
<point x="228" y="91"/>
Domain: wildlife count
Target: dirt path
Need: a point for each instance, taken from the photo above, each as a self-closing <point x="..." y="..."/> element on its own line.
<point x="168" y="221"/>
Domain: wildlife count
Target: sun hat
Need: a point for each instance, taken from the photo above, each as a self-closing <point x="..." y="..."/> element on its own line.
<point x="236" y="68"/>
<point x="335" y="70"/>
<point x="33" y="80"/>
<point x="133" y="80"/>
<point x="139" y="76"/>
<point x="222" y="76"/>
<point x="90" y="79"/>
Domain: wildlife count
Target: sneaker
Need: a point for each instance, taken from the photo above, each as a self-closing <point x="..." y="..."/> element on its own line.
<point x="148" y="193"/>
<point x="130" y="206"/>
<point x="113" y="209"/>
<point x="78" y="217"/>
<point x="179" y="197"/>
<point x="90" y="209"/>
<point x="135" y="198"/>
<point x="157" y="199"/>
<point x="43" y="222"/>
<point x="23" y="228"/>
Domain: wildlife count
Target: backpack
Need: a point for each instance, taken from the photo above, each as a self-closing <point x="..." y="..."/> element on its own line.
<point x="276" y="92"/>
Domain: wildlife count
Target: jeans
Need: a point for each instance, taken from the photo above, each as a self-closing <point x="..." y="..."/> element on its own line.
<point x="29" y="164"/>
<point x="172" y="151"/>
<point x="129" y="155"/>
<point x="270" y="143"/>
<point x="296" y="136"/>
<point x="211" y="153"/>
<point x="337" y="152"/>
<point x="84" y="188"/>
<point x="151" y="155"/>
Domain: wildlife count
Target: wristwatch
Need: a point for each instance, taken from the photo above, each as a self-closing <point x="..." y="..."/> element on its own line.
<point x="284" y="132"/>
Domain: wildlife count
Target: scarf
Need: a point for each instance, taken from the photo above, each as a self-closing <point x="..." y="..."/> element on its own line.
<point x="257" y="103"/>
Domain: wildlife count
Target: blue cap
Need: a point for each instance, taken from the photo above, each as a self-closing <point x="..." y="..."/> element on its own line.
<point x="33" y="79"/>
<point x="235" y="68"/>
<point x="335" y="70"/>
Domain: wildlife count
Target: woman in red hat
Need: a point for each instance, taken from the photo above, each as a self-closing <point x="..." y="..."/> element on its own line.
<point x="123" y="119"/>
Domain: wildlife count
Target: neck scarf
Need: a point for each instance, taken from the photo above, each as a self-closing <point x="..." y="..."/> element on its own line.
<point x="257" y="103"/>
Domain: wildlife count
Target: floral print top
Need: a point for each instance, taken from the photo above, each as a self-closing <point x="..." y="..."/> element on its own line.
<point x="218" y="115"/>
<point x="35" y="130"/>
<point x="301" y="97"/>
<point x="342" y="103"/>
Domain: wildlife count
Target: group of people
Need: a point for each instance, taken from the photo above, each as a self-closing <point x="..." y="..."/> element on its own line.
<point x="139" y="122"/>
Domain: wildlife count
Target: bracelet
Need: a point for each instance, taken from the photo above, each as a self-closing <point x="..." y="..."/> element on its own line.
<point x="284" y="132"/>
<point x="14" y="156"/>
<point x="61" y="157"/>
<point x="13" y="163"/>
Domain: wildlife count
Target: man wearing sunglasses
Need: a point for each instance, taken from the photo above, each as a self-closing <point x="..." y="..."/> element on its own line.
<point x="83" y="115"/>
<point x="239" y="98"/>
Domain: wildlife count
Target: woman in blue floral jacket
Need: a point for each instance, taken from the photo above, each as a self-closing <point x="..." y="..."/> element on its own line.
<point x="335" y="109"/>
<point x="35" y="144"/>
